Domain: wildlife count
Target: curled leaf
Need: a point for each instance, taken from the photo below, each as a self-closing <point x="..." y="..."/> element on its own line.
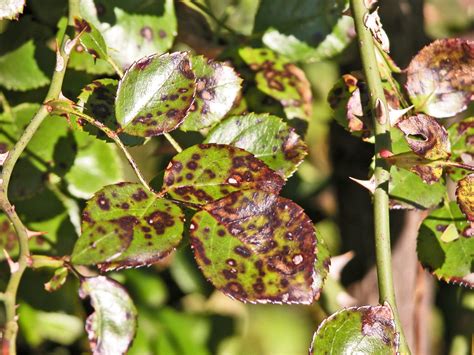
<point x="465" y="196"/>
<point x="267" y="137"/>
<point x="365" y="330"/>
<point x="207" y="172"/>
<point x="58" y="280"/>
<point x="426" y="137"/>
<point x="112" y="326"/>
<point x="440" y="78"/>
<point x="373" y="23"/>
<point x="125" y="226"/>
<point x="155" y="94"/>
<point x="217" y="87"/>
<point x="257" y="247"/>
<point x="430" y="171"/>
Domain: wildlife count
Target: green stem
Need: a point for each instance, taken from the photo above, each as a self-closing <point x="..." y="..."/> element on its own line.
<point x="10" y="294"/>
<point x="173" y="142"/>
<point x="382" y="169"/>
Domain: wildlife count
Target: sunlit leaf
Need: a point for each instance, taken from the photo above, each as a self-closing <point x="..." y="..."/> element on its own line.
<point x="58" y="279"/>
<point x="207" y="172"/>
<point x="462" y="147"/>
<point x="279" y="78"/>
<point x="217" y="86"/>
<point x="323" y="261"/>
<point x="426" y="137"/>
<point x="91" y="39"/>
<point x="267" y="137"/>
<point x="465" y="196"/>
<point x="125" y="226"/>
<point x="257" y="247"/>
<point x="19" y="70"/>
<point x="430" y="171"/>
<point x="112" y="326"/>
<point x="440" y="78"/>
<point x="451" y="261"/>
<point x="131" y="34"/>
<point x="155" y="94"/>
<point x="11" y="9"/>
<point x="367" y="330"/>
<point x="307" y="30"/>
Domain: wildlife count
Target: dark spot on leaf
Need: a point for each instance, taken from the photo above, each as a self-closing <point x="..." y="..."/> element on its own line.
<point x="140" y="195"/>
<point x="143" y="63"/>
<point x="147" y="33"/>
<point x="103" y="202"/>
<point x="243" y="251"/>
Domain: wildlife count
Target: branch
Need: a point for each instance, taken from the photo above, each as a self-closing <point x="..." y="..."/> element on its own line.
<point x="382" y="169"/>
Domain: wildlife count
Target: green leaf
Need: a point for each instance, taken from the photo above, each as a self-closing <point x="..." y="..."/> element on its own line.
<point x="430" y="171"/>
<point x="407" y="190"/>
<point x="112" y="326"/>
<point x="11" y="9"/>
<point x="125" y="226"/>
<point x="257" y="247"/>
<point x="129" y="34"/>
<point x="207" y="172"/>
<point x="336" y="40"/>
<point x="217" y="87"/>
<point x="58" y="280"/>
<point x="91" y="39"/>
<point x="451" y="261"/>
<point x="155" y="94"/>
<point x="440" y="78"/>
<point x="364" y="330"/>
<point x="19" y="70"/>
<point x="462" y="147"/>
<point x="465" y="196"/>
<point x="323" y="261"/>
<point x="97" y="164"/>
<point x="279" y="78"/>
<point x="267" y="137"/>
<point x="98" y="100"/>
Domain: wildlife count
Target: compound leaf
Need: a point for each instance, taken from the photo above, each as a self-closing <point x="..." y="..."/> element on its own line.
<point x="448" y="258"/>
<point x="125" y="226"/>
<point x="155" y="94"/>
<point x="217" y="87"/>
<point x="207" y="172"/>
<point x="257" y="247"/>
<point x="440" y="78"/>
<point x="112" y="326"/>
<point x="367" y="330"/>
<point x="267" y="137"/>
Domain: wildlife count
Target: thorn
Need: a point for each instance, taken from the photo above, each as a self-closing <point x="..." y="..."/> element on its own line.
<point x="338" y="263"/>
<point x="14" y="266"/>
<point x="368" y="184"/>
<point x="380" y="112"/>
<point x="32" y="234"/>
<point x="395" y="115"/>
<point x="3" y="157"/>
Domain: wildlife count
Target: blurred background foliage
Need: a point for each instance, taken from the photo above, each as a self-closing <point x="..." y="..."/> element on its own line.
<point x="179" y="311"/>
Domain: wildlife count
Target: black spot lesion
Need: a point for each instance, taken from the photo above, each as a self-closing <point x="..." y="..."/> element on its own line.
<point x="103" y="202"/>
<point x="147" y="33"/>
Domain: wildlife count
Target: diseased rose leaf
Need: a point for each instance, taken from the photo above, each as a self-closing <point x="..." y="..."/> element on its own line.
<point x="461" y="136"/>
<point x="440" y="78"/>
<point x="132" y="31"/>
<point x="451" y="261"/>
<point x="267" y="137"/>
<point x="217" y="87"/>
<point x="323" y="262"/>
<point x="11" y="9"/>
<point x="98" y="100"/>
<point x="125" y="226"/>
<point x="19" y="70"/>
<point x="366" y="329"/>
<point x="465" y="196"/>
<point x="430" y="171"/>
<point x="279" y="78"/>
<point x="112" y="326"/>
<point x="91" y="39"/>
<point x="58" y="279"/>
<point x="426" y="137"/>
<point x="206" y="172"/>
<point x="257" y="247"/>
<point x="155" y="94"/>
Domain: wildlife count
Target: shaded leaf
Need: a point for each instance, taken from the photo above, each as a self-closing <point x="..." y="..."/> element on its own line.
<point x="280" y="79"/>
<point x="11" y="9"/>
<point x="440" y="78"/>
<point x="267" y="137"/>
<point x="307" y="30"/>
<point x="367" y="330"/>
<point x="449" y="261"/>
<point x="465" y="196"/>
<point x="217" y="87"/>
<point x="461" y="136"/>
<point x="125" y="226"/>
<point x="112" y="326"/>
<point x="58" y="279"/>
<point x="155" y="94"/>
<point x="207" y="172"/>
<point x="19" y="70"/>
<point x="130" y="34"/>
<point x="257" y="247"/>
<point x="426" y="137"/>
